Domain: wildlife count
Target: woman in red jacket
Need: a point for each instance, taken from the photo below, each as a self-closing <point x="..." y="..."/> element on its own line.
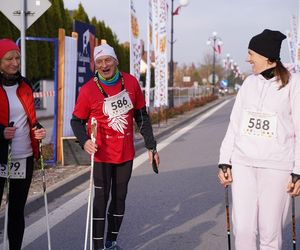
<point x="19" y="128"/>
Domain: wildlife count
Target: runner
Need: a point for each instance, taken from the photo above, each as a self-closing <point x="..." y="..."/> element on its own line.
<point x="261" y="148"/>
<point x="114" y="98"/>
<point x="17" y="106"/>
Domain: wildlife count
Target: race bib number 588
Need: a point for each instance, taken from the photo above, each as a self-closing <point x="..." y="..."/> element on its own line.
<point x="259" y="124"/>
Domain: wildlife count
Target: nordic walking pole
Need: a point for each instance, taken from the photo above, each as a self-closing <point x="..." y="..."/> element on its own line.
<point x="294" y="180"/>
<point x="38" y="126"/>
<point x="89" y="216"/>
<point x="11" y="124"/>
<point x="224" y="169"/>
<point x="227" y="217"/>
<point x="294" y="223"/>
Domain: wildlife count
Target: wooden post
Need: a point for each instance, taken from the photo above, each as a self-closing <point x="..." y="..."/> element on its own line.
<point x="60" y="94"/>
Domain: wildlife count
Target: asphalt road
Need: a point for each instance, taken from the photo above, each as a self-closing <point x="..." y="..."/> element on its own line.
<point x="180" y="208"/>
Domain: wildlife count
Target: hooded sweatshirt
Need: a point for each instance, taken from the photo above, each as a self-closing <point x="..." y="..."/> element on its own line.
<point x="264" y="128"/>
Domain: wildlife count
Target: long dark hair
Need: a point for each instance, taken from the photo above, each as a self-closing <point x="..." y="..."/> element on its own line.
<point x="281" y="73"/>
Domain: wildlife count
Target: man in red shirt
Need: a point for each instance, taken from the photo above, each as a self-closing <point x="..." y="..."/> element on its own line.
<point x="114" y="99"/>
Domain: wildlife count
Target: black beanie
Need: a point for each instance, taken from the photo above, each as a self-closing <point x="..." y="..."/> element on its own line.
<point x="267" y="44"/>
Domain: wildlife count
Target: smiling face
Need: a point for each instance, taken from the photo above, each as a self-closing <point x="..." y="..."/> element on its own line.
<point x="106" y="66"/>
<point x="259" y="63"/>
<point x="10" y="62"/>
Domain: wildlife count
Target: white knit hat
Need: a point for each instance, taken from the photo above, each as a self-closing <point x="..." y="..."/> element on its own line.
<point x="104" y="50"/>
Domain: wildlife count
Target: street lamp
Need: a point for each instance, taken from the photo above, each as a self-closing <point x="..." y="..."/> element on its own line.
<point x="215" y="42"/>
<point x="182" y="3"/>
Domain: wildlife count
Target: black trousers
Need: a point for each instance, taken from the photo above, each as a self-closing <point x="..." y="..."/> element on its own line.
<point x="18" y="193"/>
<point x="109" y="180"/>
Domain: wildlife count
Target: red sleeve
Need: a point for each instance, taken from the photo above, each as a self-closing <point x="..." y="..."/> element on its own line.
<point x="82" y="106"/>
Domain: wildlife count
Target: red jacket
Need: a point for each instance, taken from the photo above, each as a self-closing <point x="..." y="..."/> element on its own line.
<point x="24" y="93"/>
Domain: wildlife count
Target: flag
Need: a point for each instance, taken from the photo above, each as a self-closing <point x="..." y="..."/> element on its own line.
<point x="159" y="12"/>
<point x="149" y="51"/>
<point x="135" y="43"/>
<point x="217" y="49"/>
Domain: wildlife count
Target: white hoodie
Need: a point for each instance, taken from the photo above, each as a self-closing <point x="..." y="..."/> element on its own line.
<point x="260" y="104"/>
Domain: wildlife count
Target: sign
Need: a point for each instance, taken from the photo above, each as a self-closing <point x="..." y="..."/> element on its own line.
<point x="210" y="78"/>
<point x="35" y="8"/>
<point x="186" y="79"/>
<point x="224" y="83"/>
<point x="85" y="52"/>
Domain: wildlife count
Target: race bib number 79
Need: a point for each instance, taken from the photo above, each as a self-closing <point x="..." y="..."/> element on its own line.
<point x="17" y="169"/>
<point x="259" y="124"/>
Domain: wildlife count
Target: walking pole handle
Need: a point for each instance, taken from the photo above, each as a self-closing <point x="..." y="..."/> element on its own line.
<point x="295" y="178"/>
<point x="224" y="167"/>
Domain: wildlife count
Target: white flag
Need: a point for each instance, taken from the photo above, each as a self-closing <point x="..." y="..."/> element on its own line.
<point x="135" y="43"/>
<point x="160" y="48"/>
<point x="149" y="52"/>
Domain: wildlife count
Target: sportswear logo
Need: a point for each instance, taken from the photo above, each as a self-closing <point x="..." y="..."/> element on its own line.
<point x="118" y="123"/>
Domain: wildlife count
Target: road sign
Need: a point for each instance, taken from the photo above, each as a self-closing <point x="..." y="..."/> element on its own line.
<point x="224" y="83"/>
<point x="210" y="78"/>
<point x="34" y="9"/>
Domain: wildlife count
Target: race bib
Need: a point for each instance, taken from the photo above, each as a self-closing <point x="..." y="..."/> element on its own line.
<point x="17" y="169"/>
<point x="259" y="124"/>
<point x="117" y="105"/>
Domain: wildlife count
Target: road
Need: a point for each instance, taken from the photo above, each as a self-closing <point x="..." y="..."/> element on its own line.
<point x="180" y="208"/>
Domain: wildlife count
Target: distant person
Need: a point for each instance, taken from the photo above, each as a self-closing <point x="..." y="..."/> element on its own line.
<point x="17" y="106"/>
<point x="261" y="150"/>
<point x="114" y="98"/>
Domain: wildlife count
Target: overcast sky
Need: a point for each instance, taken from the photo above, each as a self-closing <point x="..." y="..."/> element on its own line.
<point x="235" y="21"/>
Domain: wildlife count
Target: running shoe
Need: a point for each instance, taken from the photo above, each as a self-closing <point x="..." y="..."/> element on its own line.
<point x="112" y="245"/>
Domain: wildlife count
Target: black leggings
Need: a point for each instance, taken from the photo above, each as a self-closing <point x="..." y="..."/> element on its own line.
<point x="17" y="199"/>
<point x="109" y="177"/>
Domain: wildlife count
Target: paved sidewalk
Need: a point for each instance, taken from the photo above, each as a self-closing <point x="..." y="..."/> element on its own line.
<point x="61" y="179"/>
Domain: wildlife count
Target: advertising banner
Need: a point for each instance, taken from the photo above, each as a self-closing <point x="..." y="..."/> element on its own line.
<point x="85" y="49"/>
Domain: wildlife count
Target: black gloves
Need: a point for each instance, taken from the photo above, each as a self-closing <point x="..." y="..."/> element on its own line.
<point x="224" y="167"/>
<point x="295" y="177"/>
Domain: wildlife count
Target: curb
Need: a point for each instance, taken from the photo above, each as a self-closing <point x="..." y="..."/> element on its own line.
<point x="36" y="202"/>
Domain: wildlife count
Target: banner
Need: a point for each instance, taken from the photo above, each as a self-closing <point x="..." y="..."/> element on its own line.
<point x="291" y="46"/>
<point x="69" y="84"/>
<point x="149" y="52"/>
<point x="135" y="43"/>
<point x="159" y="11"/>
<point x="85" y="49"/>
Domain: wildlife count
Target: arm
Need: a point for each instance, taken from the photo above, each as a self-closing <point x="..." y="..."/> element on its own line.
<point x="294" y="184"/>
<point x="227" y="145"/>
<point x="295" y="112"/>
<point x="143" y="122"/>
<point x="79" y="130"/>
